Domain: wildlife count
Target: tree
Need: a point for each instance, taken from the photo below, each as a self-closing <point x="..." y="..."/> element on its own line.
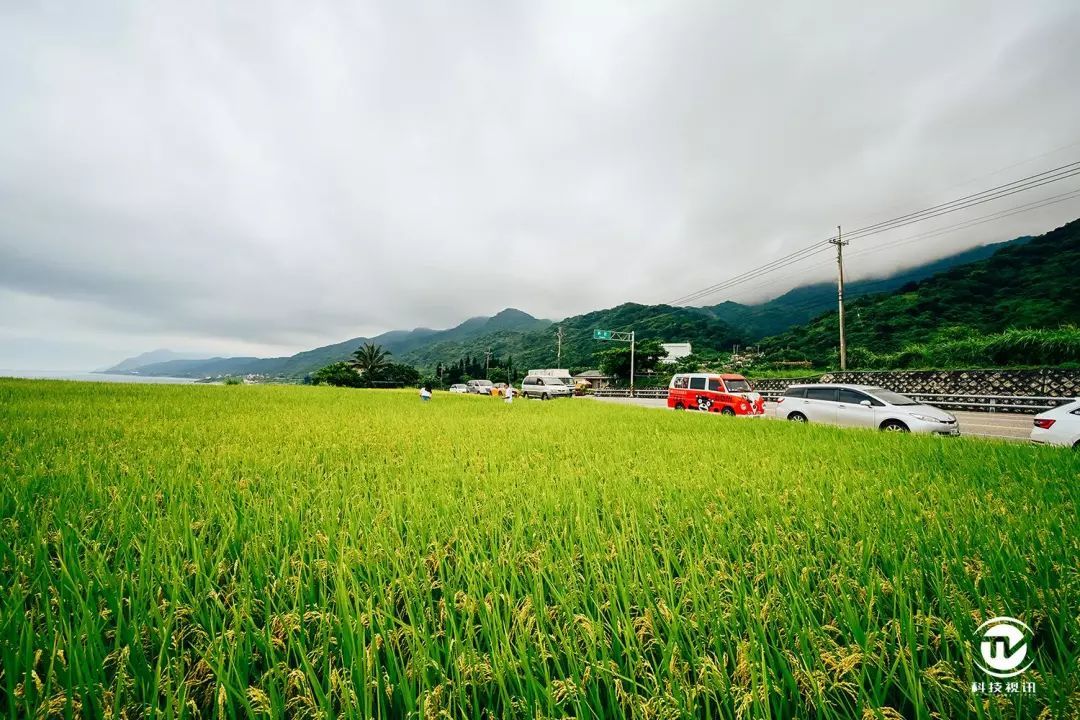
<point x="370" y="360"/>
<point x="398" y="373"/>
<point x="616" y="361"/>
<point x="339" y="374"/>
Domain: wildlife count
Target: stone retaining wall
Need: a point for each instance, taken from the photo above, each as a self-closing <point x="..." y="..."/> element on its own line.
<point x="954" y="385"/>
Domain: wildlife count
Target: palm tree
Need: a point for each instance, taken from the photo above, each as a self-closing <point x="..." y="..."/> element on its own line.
<point x="370" y="359"/>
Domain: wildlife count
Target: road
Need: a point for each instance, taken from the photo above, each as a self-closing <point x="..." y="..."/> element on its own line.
<point x="1003" y="426"/>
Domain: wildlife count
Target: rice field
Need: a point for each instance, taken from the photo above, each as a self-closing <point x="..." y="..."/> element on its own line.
<point x="230" y="552"/>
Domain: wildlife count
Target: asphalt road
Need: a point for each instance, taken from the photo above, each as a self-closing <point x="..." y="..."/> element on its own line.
<point x="1003" y="426"/>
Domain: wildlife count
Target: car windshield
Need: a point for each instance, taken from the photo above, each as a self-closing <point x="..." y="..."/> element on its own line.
<point x="737" y="386"/>
<point x="893" y="398"/>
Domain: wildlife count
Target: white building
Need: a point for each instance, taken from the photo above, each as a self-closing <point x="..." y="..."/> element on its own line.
<point x="675" y="351"/>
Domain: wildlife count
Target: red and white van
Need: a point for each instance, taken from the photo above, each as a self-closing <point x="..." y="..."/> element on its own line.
<point x="713" y="392"/>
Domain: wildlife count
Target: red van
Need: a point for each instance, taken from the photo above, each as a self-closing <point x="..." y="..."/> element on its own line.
<point x="712" y="392"/>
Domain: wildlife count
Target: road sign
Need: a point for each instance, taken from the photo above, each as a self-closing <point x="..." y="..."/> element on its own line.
<point x="620" y="336"/>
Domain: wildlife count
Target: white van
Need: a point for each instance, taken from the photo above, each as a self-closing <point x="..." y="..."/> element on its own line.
<point x="560" y="373"/>
<point x="480" y="387"/>
<point x="545" y="387"/>
<point x="863" y="406"/>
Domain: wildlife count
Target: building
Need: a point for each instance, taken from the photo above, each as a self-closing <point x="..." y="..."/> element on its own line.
<point x="596" y="379"/>
<point x="675" y="351"/>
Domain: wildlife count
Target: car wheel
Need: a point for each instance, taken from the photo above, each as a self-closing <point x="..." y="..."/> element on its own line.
<point x="680" y="406"/>
<point x="728" y="411"/>
<point x="797" y="417"/>
<point x="544" y="396"/>
<point x="894" y="426"/>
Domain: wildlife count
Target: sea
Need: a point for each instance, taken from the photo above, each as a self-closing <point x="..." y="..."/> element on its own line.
<point x="90" y="377"/>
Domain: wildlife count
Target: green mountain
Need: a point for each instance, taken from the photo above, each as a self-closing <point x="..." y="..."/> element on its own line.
<point x="1023" y="284"/>
<point x="802" y="304"/>
<point x="399" y="342"/>
<point x="538" y="348"/>
<point x="1012" y="308"/>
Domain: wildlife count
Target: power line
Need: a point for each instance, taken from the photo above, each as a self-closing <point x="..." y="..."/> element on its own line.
<point x="1029" y="185"/>
<point x="862" y="292"/>
<point x="997" y="215"/>
<point x="1030" y="182"/>
<point x="999" y="170"/>
<point x="1069" y="167"/>
<point x="784" y="261"/>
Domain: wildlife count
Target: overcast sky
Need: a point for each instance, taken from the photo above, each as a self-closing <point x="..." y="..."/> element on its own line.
<point x="263" y="177"/>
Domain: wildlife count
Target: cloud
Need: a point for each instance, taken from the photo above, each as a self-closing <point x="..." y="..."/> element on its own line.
<point x="275" y="176"/>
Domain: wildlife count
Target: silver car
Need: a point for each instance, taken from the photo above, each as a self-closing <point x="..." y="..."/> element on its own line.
<point x="544" y="387"/>
<point x="863" y="406"/>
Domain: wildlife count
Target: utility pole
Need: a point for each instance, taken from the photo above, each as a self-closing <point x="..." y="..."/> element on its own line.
<point x="839" y="242"/>
<point x="487" y="361"/>
<point x="558" y="351"/>
<point x="632" y="341"/>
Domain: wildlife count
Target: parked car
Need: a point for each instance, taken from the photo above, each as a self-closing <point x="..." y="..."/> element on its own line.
<point x="1059" y="426"/>
<point x="479" y="387"/>
<point x="727" y="394"/>
<point x="561" y="374"/>
<point x="461" y="388"/>
<point x="545" y="388"/>
<point x="863" y="406"/>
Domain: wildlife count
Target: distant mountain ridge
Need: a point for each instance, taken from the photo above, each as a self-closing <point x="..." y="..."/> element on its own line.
<point x="529" y="341"/>
<point x="802" y="304"/>
<point x="151" y="358"/>
<point x="399" y="342"/>
<point x="1031" y="287"/>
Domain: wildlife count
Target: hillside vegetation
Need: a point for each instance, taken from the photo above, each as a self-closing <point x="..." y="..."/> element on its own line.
<point x="803" y="304"/>
<point x="1011" y="303"/>
<point x="1021" y="306"/>
<point x="579" y="349"/>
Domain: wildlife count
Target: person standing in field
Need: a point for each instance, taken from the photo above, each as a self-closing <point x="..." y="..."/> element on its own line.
<point x="425" y="393"/>
<point x="508" y="394"/>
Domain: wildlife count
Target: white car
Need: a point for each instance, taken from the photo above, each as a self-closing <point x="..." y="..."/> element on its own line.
<point x="480" y="387"/>
<point x="863" y="406"/>
<point x="1059" y="426"/>
<point x="459" y="388"/>
<point x="545" y="387"/>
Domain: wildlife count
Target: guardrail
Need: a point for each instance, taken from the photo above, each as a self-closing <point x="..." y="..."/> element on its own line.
<point x="992" y="403"/>
<point x="653" y="393"/>
<point x="979" y="403"/>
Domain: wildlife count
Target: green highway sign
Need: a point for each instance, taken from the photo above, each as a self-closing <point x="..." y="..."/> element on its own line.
<point x="601" y="334"/>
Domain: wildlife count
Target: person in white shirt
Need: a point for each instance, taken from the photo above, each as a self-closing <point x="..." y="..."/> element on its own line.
<point x="508" y="394"/>
<point x="425" y="393"/>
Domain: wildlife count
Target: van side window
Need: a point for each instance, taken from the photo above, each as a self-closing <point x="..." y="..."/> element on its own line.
<point x="697" y="383"/>
<point x="855" y="397"/>
<point x="826" y="393"/>
<point x="529" y="381"/>
<point x="795" y="392"/>
<point x="680" y="382"/>
<point x="714" y="385"/>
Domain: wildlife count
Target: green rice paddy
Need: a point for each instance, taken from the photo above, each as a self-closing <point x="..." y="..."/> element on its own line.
<point x="199" y="551"/>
